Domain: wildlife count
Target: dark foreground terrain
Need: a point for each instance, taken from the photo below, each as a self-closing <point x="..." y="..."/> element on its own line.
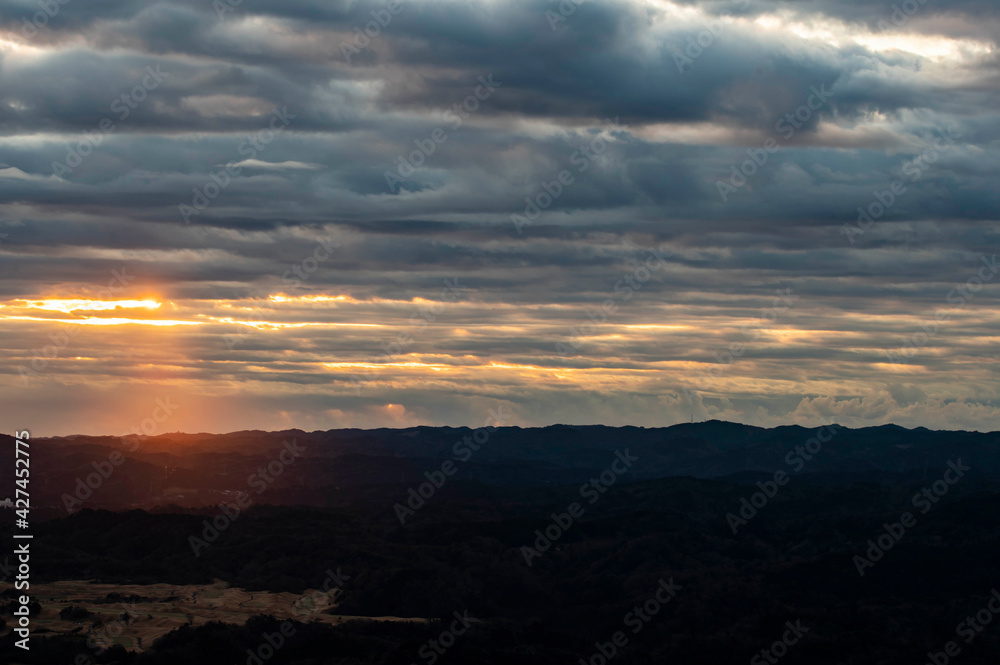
<point x="704" y="543"/>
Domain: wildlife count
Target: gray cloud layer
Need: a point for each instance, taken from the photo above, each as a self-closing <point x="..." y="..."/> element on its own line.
<point x="172" y="93"/>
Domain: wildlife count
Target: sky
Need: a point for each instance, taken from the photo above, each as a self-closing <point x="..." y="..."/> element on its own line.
<point x="312" y="214"/>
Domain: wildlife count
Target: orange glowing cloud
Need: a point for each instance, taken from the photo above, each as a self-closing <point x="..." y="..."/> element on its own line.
<point x="70" y="306"/>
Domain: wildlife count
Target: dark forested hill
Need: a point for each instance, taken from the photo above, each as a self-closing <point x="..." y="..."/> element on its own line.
<point x="197" y="470"/>
<point x="702" y="543"/>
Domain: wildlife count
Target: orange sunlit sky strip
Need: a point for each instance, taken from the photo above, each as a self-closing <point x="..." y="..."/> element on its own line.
<point x="332" y="344"/>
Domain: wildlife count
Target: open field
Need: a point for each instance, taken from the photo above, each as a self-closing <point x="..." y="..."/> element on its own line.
<point x="135" y="615"/>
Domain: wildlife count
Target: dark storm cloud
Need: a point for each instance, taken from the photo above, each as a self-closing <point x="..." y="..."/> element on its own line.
<point x="606" y="61"/>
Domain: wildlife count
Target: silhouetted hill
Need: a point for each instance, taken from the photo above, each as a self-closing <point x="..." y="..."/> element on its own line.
<point x="759" y="527"/>
<point x="203" y="469"/>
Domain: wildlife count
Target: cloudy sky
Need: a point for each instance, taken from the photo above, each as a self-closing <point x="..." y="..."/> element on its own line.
<point x="325" y="214"/>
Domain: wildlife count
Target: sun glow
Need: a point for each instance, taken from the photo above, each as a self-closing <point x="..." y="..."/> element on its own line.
<point x="95" y="321"/>
<point x="70" y="306"/>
